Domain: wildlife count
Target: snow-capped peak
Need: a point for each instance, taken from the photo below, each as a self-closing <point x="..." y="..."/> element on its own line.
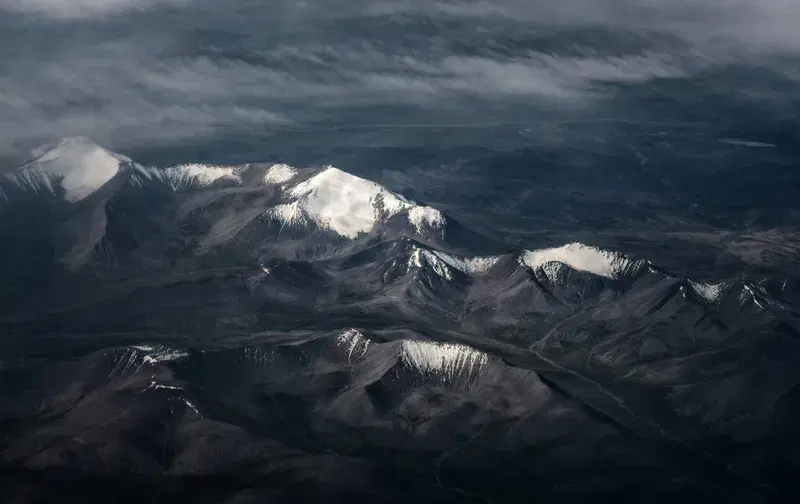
<point x="77" y="164"/>
<point x="349" y="205"/>
<point x="582" y="257"/>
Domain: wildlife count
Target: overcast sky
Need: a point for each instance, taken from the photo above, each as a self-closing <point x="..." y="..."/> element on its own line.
<point x="133" y="71"/>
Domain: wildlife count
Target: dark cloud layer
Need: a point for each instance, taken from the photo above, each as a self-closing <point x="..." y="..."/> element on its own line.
<point x="156" y="71"/>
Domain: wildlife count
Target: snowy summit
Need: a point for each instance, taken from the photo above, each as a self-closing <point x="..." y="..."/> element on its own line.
<point x="349" y="205"/>
<point x="582" y="257"/>
<point x="77" y="164"/>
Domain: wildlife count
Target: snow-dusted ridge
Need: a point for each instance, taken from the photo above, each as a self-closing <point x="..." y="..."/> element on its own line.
<point x="756" y="293"/>
<point x="188" y="176"/>
<point x="130" y="360"/>
<point x="159" y="353"/>
<point x="448" y="361"/>
<point x="78" y="165"/>
<point x="580" y="257"/>
<point x="419" y="256"/>
<point x="469" y="265"/>
<point x="349" y="205"/>
<point x="445" y="264"/>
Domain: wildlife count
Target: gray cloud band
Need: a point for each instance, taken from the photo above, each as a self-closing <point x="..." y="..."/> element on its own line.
<point x="152" y="70"/>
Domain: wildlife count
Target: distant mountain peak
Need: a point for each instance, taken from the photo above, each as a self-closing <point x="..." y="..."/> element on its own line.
<point x="77" y="164"/>
<point x="581" y="257"/>
<point x="348" y="205"/>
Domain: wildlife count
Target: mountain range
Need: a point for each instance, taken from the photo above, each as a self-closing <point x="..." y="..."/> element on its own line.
<point x="263" y="332"/>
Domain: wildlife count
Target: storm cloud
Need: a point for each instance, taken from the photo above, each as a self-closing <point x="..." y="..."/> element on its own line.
<point x="126" y="72"/>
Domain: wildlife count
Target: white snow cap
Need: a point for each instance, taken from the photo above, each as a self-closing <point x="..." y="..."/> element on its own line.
<point x="582" y="258"/>
<point x="349" y="205"/>
<point x="79" y="165"/>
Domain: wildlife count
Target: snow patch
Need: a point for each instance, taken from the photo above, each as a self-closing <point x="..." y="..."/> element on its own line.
<point x="192" y="406"/>
<point x="450" y="361"/>
<point x="279" y="174"/>
<point x="124" y="362"/>
<point x="710" y="292"/>
<point x="354" y="343"/>
<point x="77" y="164"/>
<point x="445" y="264"/>
<point x="130" y="360"/>
<point x="751" y="295"/>
<point x="582" y="258"/>
<point x="744" y="296"/>
<point x="181" y="177"/>
<point x="154" y="385"/>
<point x="349" y="205"/>
<point x="160" y="386"/>
<point x="418" y="256"/>
<point x="164" y="356"/>
<point x="289" y="214"/>
<point x="468" y="265"/>
<point x="160" y="353"/>
<point x="422" y="217"/>
<point x="759" y="296"/>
